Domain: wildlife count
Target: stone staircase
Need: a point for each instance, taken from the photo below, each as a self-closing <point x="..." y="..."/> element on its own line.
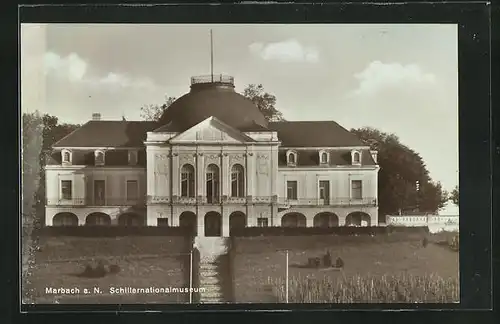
<point x="211" y="250"/>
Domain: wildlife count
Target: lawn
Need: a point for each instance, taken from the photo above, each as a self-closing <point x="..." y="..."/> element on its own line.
<point x="259" y="265"/>
<point x="150" y="261"/>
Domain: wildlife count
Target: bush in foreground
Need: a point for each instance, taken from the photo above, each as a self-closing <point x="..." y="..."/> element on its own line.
<point x="386" y="289"/>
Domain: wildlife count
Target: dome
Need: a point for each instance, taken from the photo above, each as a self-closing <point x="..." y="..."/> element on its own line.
<point x="213" y="96"/>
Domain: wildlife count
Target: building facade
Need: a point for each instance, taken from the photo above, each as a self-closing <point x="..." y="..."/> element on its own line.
<point x="212" y="162"/>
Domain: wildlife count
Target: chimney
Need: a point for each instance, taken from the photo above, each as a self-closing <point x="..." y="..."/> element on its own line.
<point x="96" y="116"/>
<point x="374" y="155"/>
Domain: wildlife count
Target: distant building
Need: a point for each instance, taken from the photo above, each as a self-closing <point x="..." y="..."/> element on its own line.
<point x="213" y="162"/>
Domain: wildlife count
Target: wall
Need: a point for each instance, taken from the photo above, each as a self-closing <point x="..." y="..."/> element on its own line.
<point x="435" y="223"/>
<point x="164" y="165"/>
<point x="82" y="181"/>
<point x="340" y="181"/>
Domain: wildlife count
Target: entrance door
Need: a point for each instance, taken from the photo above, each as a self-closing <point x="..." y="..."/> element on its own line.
<point x="99" y="192"/>
<point x="213" y="224"/>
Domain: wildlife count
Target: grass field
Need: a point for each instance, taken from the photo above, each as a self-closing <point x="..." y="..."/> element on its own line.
<point x="144" y="262"/>
<point x="396" y="260"/>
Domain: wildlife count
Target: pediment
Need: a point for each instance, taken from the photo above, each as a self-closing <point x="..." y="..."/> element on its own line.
<point x="211" y="130"/>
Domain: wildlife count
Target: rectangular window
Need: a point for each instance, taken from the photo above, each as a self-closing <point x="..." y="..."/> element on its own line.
<point x="66" y="189"/>
<point x="132" y="190"/>
<point x="162" y="222"/>
<point x="291" y="190"/>
<point x="262" y="222"/>
<point x="356" y="189"/>
<point x="324" y="189"/>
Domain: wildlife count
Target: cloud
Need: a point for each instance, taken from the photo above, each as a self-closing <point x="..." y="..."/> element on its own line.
<point x="286" y="51"/>
<point x="74" y="69"/>
<point x="378" y="76"/>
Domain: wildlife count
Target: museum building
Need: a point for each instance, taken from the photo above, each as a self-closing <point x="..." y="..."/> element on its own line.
<point x="212" y="162"/>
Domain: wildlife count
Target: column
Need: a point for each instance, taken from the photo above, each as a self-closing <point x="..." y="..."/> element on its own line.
<point x="250" y="175"/>
<point x="201" y="222"/>
<point x="225" y="223"/>
<point x="224" y="172"/>
<point x="309" y="220"/>
<point x="200" y="176"/>
<point x="175" y="176"/>
<point x="151" y="216"/>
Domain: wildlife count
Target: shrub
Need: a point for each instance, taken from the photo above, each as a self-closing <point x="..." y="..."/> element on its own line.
<point x="327" y="259"/>
<point x="339" y="263"/>
<point x="425" y="241"/>
<point x="455" y="242"/>
<point x="114" y="268"/>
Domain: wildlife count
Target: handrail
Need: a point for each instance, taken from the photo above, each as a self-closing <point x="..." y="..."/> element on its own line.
<point x="216" y="78"/>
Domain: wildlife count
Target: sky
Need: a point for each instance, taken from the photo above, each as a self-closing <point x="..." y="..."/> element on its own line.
<point x="400" y="79"/>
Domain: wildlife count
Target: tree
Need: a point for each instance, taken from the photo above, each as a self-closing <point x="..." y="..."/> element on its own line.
<point x="455" y="195"/>
<point x="154" y="112"/>
<point x="401" y="168"/>
<point x="39" y="134"/>
<point x="264" y="101"/>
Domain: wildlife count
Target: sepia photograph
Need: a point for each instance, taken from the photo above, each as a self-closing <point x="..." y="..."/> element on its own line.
<point x="239" y="163"/>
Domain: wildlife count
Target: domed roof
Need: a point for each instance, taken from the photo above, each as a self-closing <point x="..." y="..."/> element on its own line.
<point x="213" y="96"/>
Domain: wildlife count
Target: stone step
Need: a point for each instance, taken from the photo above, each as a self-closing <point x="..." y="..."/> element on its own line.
<point x="208" y="266"/>
<point x="210" y="280"/>
<point x="212" y="301"/>
<point x="208" y="273"/>
<point x="212" y="287"/>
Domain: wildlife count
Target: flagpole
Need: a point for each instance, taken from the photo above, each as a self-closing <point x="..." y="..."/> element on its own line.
<point x="211" y="56"/>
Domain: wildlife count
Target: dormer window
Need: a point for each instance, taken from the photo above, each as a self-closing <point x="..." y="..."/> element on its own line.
<point x="356" y="157"/>
<point x="323" y="157"/>
<point x="291" y="158"/>
<point x="99" y="157"/>
<point x="66" y="156"/>
<point x="132" y="157"/>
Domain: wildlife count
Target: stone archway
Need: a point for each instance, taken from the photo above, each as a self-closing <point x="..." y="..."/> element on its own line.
<point x="189" y="220"/>
<point x="358" y="219"/>
<point x="131" y="219"/>
<point x="213" y="224"/>
<point x="326" y="219"/>
<point x="98" y="219"/>
<point x="237" y="220"/>
<point x="65" y="219"/>
<point x="293" y="220"/>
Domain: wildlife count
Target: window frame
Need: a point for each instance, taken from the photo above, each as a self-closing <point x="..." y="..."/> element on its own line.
<point x="295" y="189"/>
<point x="321" y="154"/>
<point x="238" y="182"/>
<point x="190" y="182"/>
<point x="360" y="189"/>
<point x="98" y="153"/>
<point x="129" y="199"/>
<point x="135" y="159"/>
<point x="357" y="154"/>
<point x="288" y="155"/>
<point x="70" y="188"/>
<point x="70" y="156"/>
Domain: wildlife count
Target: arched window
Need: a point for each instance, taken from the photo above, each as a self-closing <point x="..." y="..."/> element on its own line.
<point x="187" y="180"/>
<point x="212" y="183"/>
<point x="291" y="158"/>
<point x="66" y="157"/>
<point x="99" y="158"/>
<point x="237" y="181"/>
<point x="324" y="157"/>
<point x="356" y="158"/>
